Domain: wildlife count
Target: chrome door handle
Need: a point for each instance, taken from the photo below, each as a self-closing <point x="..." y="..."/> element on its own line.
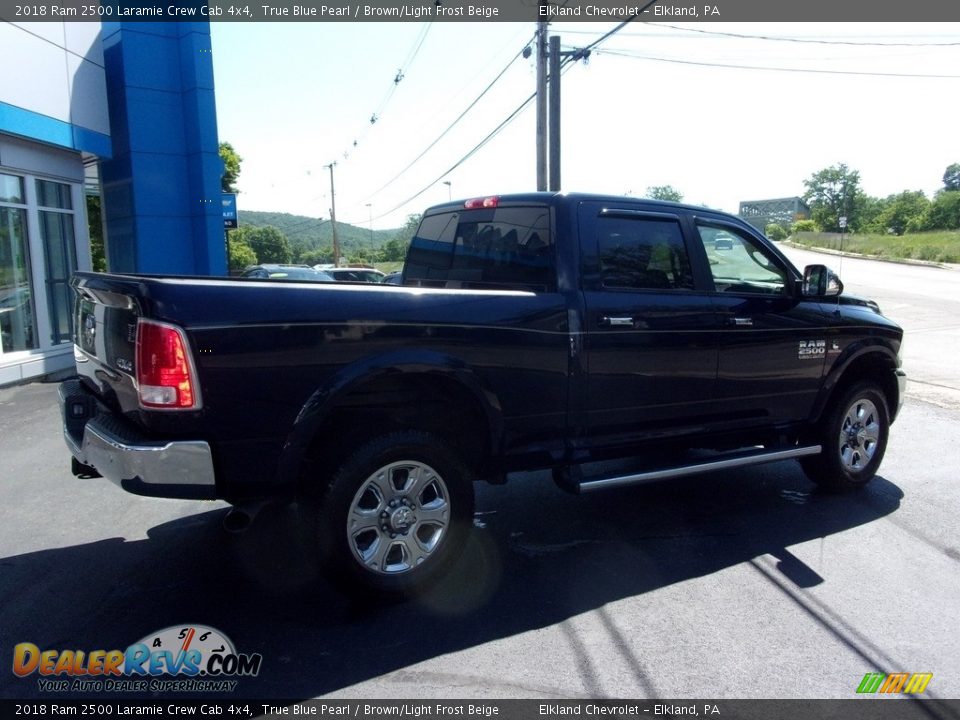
<point x="740" y="321"/>
<point x="616" y="321"/>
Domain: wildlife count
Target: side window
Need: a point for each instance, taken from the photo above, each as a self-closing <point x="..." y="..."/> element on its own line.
<point x="739" y="264"/>
<point x="643" y="254"/>
<point x="487" y="248"/>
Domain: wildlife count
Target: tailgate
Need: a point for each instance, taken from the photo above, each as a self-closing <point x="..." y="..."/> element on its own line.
<point x="106" y="337"/>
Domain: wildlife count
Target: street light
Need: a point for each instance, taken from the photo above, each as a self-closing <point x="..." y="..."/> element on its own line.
<point x="449" y="189"/>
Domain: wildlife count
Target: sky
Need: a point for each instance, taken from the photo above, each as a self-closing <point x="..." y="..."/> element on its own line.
<point x="723" y="112"/>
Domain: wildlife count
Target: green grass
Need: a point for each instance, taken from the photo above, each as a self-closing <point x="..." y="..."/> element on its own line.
<point x="938" y="246"/>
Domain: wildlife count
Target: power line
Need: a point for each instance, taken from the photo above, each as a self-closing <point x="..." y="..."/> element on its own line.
<point x="813" y="41"/>
<point x="623" y="53"/>
<point x="565" y="65"/>
<point x="449" y="127"/>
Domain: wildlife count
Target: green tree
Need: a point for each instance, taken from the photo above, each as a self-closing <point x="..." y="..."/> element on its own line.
<point x="832" y="193"/>
<point x="664" y="192"/>
<point x="951" y="177"/>
<point x="269" y="244"/>
<point x="944" y="211"/>
<point x="317" y="256"/>
<point x="405" y="234"/>
<point x="231" y="168"/>
<point x="241" y="254"/>
<point x="903" y="211"/>
<point x="393" y="250"/>
<point x="804" y="226"/>
<point x="98" y="251"/>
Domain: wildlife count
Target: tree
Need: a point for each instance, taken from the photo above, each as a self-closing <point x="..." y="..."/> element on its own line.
<point x="231" y="168"/>
<point x="98" y="251"/>
<point x="405" y="234"/>
<point x="902" y="212"/>
<point x="269" y="244"/>
<point x="944" y="212"/>
<point x="241" y="254"/>
<point x="664" y="192"/>
<point x="393" y="250"/>
<point x="951" y="177"/>
<point x="832" y="193"/>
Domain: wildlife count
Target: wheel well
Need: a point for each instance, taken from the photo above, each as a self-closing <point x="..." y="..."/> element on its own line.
<point x="875" y="367"/>
<point x="429" y="401"/>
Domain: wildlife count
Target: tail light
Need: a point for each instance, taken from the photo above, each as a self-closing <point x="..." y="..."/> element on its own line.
<point x="165" y="372"/>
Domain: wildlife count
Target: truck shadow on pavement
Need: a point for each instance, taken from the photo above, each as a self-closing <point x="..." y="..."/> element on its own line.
<point x="537" y="557"/>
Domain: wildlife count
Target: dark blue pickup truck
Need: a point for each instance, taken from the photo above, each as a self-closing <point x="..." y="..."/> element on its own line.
<point x="530" y="331"/>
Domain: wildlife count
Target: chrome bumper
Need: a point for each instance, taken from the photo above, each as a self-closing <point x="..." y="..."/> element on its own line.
<point x="95" y="437"/>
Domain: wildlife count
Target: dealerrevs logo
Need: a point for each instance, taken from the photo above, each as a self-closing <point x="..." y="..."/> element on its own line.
<point x="190" y="658"/>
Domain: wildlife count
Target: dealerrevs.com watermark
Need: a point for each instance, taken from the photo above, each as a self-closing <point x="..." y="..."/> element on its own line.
<point x="180" y="658"/>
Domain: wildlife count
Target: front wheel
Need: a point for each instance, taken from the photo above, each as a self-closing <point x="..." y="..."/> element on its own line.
<point x="394" y="515"/>
<point x="854" y="438"/>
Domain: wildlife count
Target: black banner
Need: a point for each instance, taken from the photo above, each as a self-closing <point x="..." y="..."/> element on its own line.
<point x="479" y="11"/>
<point x="874" y="708"/>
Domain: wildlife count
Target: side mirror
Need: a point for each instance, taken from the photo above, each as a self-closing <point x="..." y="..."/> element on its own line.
<point x="820" y="281"/>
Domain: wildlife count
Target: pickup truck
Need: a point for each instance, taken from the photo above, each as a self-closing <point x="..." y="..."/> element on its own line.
<point x="530" y="331"/>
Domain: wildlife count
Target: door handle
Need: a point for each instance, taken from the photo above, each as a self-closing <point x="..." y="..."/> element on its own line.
<point x="616" y="321"/>
<point x="740" y="321"/>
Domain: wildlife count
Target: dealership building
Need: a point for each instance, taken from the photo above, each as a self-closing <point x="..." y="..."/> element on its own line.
<point x="119" y="112"/>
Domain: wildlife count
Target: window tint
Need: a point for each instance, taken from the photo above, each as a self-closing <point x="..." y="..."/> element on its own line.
<point x="491" y="248"/>
<point x="739" y="264"/>
<point x="643" y="253"/>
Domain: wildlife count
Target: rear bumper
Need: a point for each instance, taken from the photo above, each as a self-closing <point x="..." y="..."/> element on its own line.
<point x="122" y="454"/>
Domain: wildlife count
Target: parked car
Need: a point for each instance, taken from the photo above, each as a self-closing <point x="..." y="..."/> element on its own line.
<point x="346" y="274"/>
<point x="394" y="278"/>
<point x="286" y="272"/>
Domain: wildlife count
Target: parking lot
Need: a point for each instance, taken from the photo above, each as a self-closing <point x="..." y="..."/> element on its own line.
<point x="739" y="584"/>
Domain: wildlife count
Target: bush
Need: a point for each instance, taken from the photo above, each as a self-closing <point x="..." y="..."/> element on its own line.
<point x="804" y="226"/>
<point x="776" y="232"/>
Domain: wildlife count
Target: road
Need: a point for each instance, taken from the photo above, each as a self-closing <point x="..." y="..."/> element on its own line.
<point x="741" y="584"/>
<point x="925" y="301"/>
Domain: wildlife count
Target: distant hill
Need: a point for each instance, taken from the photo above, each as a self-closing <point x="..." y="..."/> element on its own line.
<point x="306" y="233"/>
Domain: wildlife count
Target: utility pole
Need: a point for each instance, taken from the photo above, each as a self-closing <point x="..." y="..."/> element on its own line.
<point x="542" y="103"/>
<point x="554" y="113"/>
<point x="333" y="218"/>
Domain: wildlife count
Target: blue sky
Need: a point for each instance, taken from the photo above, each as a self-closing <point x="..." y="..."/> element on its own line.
<point x="657" y="104"/>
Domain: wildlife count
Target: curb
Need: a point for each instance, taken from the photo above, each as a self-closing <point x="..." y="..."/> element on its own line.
<point x="879" y="258"/>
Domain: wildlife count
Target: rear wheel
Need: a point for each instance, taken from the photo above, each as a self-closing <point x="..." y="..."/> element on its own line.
<point x="854" y="438"/>
<point x="394" y="515"/>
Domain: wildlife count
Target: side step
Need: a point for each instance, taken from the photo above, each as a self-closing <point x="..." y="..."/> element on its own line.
<point x="571" y="477"/>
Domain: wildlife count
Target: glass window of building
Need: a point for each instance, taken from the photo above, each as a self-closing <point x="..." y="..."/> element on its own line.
<point x="60" y="253"/>
<point x="17" y="317"/>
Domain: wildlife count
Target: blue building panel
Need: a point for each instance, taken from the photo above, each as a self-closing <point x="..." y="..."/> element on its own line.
<point x="162" y="188"/>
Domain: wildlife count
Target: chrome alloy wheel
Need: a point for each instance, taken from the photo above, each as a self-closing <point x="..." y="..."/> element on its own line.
<point x="859" y="435"/>
<point x="398" y="518"/>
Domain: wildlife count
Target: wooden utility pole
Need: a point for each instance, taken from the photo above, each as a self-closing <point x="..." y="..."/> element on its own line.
<point x="554" y="113"/>
<point x="333" y="218"/>
<point x="542" y="104"/>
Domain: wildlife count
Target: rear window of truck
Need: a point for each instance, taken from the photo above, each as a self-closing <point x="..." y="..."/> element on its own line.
<point x="494" y="248"/>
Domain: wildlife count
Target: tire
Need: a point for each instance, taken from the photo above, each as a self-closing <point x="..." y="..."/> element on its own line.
<point x="393" y="517"/>
<point x="854" y="438"/>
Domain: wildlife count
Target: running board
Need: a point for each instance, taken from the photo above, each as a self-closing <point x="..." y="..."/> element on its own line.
<point x="570" y="478"/>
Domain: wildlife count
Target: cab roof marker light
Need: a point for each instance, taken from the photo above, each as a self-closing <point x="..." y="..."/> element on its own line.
<point x="480" y="203"/>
